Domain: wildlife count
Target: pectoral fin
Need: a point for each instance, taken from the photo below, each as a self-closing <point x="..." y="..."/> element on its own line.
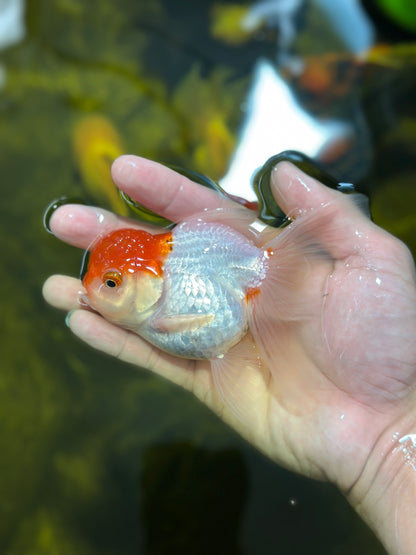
<point x="182" y="322"/>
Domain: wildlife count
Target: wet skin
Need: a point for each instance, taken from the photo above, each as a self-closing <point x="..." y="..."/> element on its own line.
<point x="337" y="388"/>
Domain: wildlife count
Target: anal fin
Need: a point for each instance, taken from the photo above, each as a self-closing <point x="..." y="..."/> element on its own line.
<point x="241" y="379"/>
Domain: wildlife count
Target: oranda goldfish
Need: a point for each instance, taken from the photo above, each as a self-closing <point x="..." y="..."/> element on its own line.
<point x="185" y="291"/>
<point x="205" y="290"/>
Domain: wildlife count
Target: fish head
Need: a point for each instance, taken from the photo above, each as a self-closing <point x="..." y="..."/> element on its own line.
<point x="124" y="280"/>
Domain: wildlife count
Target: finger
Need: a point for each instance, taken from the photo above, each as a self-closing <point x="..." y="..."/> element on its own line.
<point x="128" y="347"/>
<point x="296" y="191"/>
<point x="330" y="216"/>
<point x="80" y="225"/>
<point x="62" y="292"/>
<point x="163" y="190"/>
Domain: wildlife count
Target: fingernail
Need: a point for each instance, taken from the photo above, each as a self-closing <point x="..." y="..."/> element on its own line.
<point x="53" y="206"/>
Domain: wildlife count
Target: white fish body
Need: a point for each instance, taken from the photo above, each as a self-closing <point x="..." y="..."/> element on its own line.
<point x="202" y="311"/>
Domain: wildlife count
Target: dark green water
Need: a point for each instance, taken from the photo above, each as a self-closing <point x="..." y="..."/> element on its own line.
<point x="97" y="457"/>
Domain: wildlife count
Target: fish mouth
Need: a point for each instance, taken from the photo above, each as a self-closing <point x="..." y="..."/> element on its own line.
<point x="83" y="300"/>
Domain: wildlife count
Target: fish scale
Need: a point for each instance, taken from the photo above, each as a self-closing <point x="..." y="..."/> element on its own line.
<point x="207" y="273"/>
<point x="184" y="291"/>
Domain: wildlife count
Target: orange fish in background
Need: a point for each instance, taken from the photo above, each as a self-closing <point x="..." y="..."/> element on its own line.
<point x="96" y="144"/>
<point x="203" y="290"/>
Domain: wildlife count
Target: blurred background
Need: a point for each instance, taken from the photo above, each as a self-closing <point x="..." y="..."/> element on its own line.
<point x="95" y="456"/>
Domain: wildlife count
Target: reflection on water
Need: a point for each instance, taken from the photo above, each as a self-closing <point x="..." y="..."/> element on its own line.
<point x="348" y="15"/>
<point x="96" y="457"/>
<point x="11" y="22"/>
<point x="275" y="123"/>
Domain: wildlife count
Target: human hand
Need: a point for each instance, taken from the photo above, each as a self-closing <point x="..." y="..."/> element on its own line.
<point x="343" y="377"/>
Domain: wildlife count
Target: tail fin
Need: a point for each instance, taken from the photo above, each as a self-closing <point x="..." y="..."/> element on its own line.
<point x="293" y="289"/>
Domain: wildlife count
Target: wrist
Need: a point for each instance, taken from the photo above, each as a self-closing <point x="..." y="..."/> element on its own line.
<point x="385" y="493"/>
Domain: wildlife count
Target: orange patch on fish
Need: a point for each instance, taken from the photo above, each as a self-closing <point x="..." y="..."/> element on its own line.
<point x="128" y="251"/>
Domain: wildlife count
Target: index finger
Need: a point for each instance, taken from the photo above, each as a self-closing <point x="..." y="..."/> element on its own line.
<point x="79" y="225"/>
<point x="163" y="190"/>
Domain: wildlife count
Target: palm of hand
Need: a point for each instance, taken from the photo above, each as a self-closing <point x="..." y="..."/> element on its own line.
<point x="343" y="376"/>
<point x="334" y="371"/>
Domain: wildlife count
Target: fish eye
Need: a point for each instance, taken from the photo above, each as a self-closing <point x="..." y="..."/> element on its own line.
<point x="112" y="279"/>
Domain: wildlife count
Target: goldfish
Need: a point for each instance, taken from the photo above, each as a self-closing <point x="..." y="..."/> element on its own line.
<point x="96" y="144"/>
<point x="184" y="291"/>
<point x="233" y="24"/>
<point x="216" y="287"/>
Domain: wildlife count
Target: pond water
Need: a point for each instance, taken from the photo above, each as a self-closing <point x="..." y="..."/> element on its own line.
<point x="97" y="457"/>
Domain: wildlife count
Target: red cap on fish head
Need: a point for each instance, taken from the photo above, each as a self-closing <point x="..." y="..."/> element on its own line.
<point x="125" y="252"/>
